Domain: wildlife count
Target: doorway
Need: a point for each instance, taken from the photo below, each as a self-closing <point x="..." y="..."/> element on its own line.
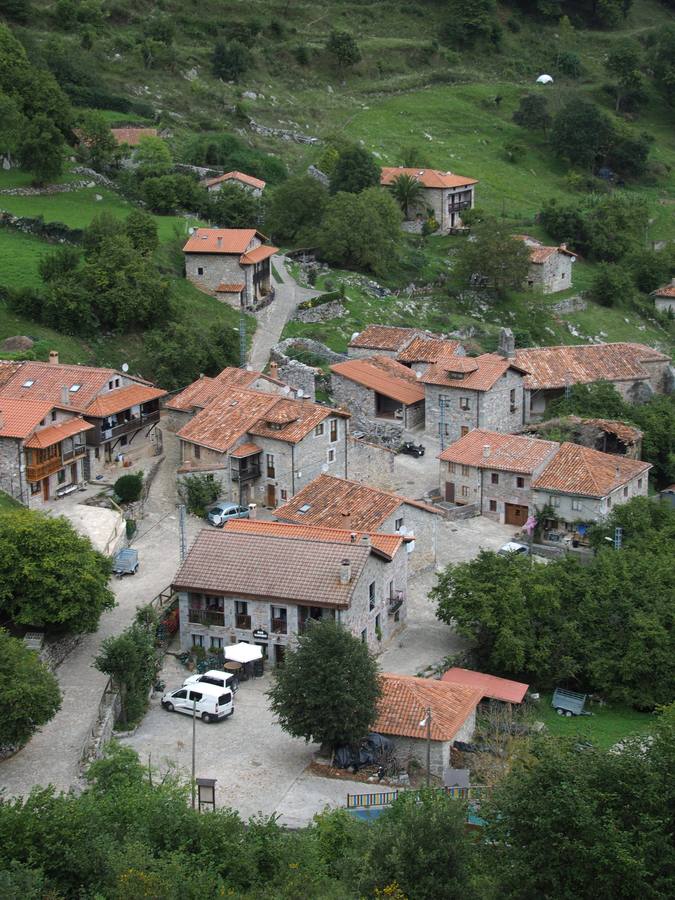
<point x="271" y="496"/>
<point x="45" y="489"/>
<point x="449" y="492"/>
<point x="514" y="514"/>
<point x="279" y="654"/>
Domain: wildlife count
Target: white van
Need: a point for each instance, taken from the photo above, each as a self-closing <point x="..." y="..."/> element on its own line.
<point x="215" y="677"/>
<point x="211" y="702"/>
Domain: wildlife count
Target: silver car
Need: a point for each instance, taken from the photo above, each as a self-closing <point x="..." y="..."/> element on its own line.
<point x="219" y="514"/>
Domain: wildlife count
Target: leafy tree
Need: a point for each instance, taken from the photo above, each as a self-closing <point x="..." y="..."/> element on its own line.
<point x="355" y="170"/>
<point x="41" y="150"/>
<point x="624" y="62"/>
<point x="344" y="49"/>
<point x="12" y="125"/>
<point x="234" y="207"/>
<point x="129" y="487"/>
<point x="295" y="209"/>
<point x="97" y="139"/>
<point x="611" y="286"/>
<point x="226" y="151"/>
<point x="16" y="10"/>
<point x="407" y="191"/>
<point x="471" y="24"/>
<point x="30" y="693"/>
<point x="129" y="658"/>
<point x="41" y="96"/>
<point x="422" y="845"/>
<point x="153" y="157"/>
<point x="414" y="156"/>
<point x="495" y="256"/>
<point x="166" y="193"/>
<point x="601" y="821"/>
<point x="603" y="227"/>
<point x="650" y="269"/>
<point x="61" y="262"/>
<point x="628" y="153"/>
<point x="231" y="60"/>
<point x="49" y="575"/>
<point x="598" y="400"/>
<point x="328" y="688"/>
<point x="581" y="133"/>
<point x="361" y="230"/>
<point x="664" y="62"/>
<point x="141" y="230"/>
<point x="532" y="112"/>
<point x="198" y="492"/>
<point x="182" y="351"/>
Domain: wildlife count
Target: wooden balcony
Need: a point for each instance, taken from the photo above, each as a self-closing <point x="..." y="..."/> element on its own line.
<point x="38" y="471"/>
<point x="206" y="617"/>
<point x="145" y="419"/>
<point x="244" y="473"/>
<point x="458" y="207"/>
<point x="75" y="453"/>
<point x="395" y="602"/>
<point x="243" y="621"/>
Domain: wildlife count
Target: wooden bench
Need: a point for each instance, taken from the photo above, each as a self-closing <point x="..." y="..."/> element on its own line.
<point x="66" y="489"/>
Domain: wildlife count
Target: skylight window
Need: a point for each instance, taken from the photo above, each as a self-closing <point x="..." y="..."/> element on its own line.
<point x="305" y="508"/>
<point x="74" y="388"/>
<point x="28" y="383"/>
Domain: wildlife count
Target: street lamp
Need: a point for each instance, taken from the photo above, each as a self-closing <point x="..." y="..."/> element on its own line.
<point x="426" y="723"/>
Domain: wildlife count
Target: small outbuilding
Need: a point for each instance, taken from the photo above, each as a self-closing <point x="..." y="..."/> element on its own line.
<point x="664" y="298"/>
<point x="490" y="686"/>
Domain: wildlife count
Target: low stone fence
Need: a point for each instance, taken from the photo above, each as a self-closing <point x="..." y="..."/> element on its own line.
<point x="103" y="725"/>
<point x="457" y="513"/>
<point x="321" y="313"/>
<point x="55" y="650"/>
<point x="284" y="134"/>
<point x="316" y="348"/>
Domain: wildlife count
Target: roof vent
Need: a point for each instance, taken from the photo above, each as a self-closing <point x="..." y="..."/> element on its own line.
<point x="345" y="571"/>
<point x="365" y="540"/>
<point x="486" y="451"/>
<point x="352" y="537"/>
<point x="28" y="383"/>
<point x="304" y="508"/>
<point x="54" y="357"/>
<point x="617" y="472"/>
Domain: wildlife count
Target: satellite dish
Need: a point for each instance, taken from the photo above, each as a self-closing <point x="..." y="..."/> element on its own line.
<point x="125" y="367"/>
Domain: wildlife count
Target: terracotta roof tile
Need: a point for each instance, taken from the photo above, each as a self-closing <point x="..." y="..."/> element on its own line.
<point x="668" y="290"/>
<point x="428" y="349"/>
<point x="20" y="417"/>
<point x="384" y="337"/>
<point x="292" y="420"/>
<point x="204" y="390"/>
<point x="628" y="434"/>
<point x="235" y="176"/>
<point x="490" y="368"/>
<point x="489" y="685"/>
<point x="285" y="569"/>
<point x="581" y="471"/>
<point x="405" y="700"/>
<point x="507" y="452"/>
<point x="247" y="449"/>
<point x="384" y="544"/>
<point x="258" y="255"/>
<point x="55" y="433"/>
<point x="123" y="398"/>
<point x="539" y="253"/>
<point x="48" y="382"/>
<point x="384" y="375"/>
<point x="338" y="503"/>
<point x="224" y="288"/>
<point x="132" y="136"/>
<point x="232" y="240"/>
<point x="554" y="367"/>
<point x="8" y="370"/>
<point x="429" y="178"/>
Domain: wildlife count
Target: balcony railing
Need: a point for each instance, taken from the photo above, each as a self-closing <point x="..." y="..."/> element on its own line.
<point x="38" y="471"/>
<point x="243" y="621"/>
<point x="206" y="616"/>
<point x="121" y="428"/>
<point x="79" y="450"/>
<point x="244" y="473"/>
<point x="279" y="626"/>
<point x="456" y="207"/>
<point x="396" y="602"/>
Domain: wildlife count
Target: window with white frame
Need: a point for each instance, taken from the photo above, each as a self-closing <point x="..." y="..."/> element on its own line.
<point x="555" y="501"/>
<point x="576" y="505"/>
<point x="197" y="640"/>
<point x="334" y="433"/>
<point x="465" y="471"/>
<point x="464" y="403"/>
<point x="319" y="430"/>
<point x="331" y="454"/>
<point x="465" y="491"/>
<point x="398" y="524"/>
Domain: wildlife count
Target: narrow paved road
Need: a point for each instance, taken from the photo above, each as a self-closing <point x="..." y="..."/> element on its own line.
<point x="52" y="755"/>
<point x="272" y="318"/>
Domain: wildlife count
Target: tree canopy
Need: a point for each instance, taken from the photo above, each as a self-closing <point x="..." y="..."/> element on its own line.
<point x="50" y="576"/>
<point x="181" y="351"/>
<point x="30" y="693"/>
<point x="328" y="687"/>
<point x="355" y="170"/>
<point x="234" y="207"/>
<point x="295" y="209"/>
<point x="493" y="261"/>
<point x="407" y="191"/>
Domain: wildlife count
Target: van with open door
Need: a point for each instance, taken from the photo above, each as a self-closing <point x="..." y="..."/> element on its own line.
<point x="216" y="677"/>
<point x="209" y="701"/>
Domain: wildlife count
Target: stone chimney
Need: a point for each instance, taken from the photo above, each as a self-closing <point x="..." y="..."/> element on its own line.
<point x="563" y="246"/>
<point x="274" y="369"/>
<point x="65" y="396"/>
<point x="219" y="242"/>
<point x="347" y="520"/>
<point x="365" y="540"/>
<point x="53" y="357"/>
<point x="486" y="451"/>
<point x="507" y="343"/>
<point x="352" y="537"/>
<point x="345" y="571"/>
<point x="617" y="473"/>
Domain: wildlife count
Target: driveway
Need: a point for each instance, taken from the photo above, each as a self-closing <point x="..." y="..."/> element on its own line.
<point x="271" y="319"/>
<point x="53" y="754"/>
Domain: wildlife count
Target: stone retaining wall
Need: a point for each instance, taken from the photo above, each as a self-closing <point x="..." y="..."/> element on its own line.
<point x="321" y="313"/>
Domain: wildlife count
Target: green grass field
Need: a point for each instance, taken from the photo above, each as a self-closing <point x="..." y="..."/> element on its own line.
<point x="605" y="727"/>
<point x="20" y="254"/>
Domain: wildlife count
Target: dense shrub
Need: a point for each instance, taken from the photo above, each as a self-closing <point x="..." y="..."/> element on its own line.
<point x="30" y="693"/>
<point x="129" y="487"/>
<point x="198" y="492"/>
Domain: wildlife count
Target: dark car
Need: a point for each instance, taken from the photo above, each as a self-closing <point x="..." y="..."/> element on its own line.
<point x="411" y="449"/>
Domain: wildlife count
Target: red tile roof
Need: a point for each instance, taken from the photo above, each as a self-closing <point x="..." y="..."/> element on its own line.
<point x="55" y="433"/>
<point x="132" y="136"/>
<point x="384" y="337"/>
<point x="489" y="369"/>
<point x="405" y="700"/>
<point x="230" y="288"/>
<point x="428" y="349"/>
<point x="18" y="418"/>
<point x="384" y="544"/>
<point x="628" y="434"/>
<point x="235" y="176"/>
<point x="123" y="398"/>
<point x="220" y="424"/>
<point x="8" y="369"/>
<point x="48" y="382"/>
<point x="271" y="567"/>
<point x="383" y="375"/>
<point x="489" y="685"/>
<point x="247" y="449"/>
<point x="338" y="503"/>
<point x="581" y="471"/>
<point x="258" y="255"/>
<point x="232" y="240"/>
<point x="429" y="178"/>
<point x="507" y="452"/>
<point x="539" y="253"/>
<point x="204" y="390"/>
<point x="668" y="290"/>
<point x="554" y="367"/>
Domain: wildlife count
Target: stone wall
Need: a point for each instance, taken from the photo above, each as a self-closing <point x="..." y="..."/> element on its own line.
<point x="56" y="649"/>
<point x="280" y="350"/>
<point x="554" y="274"/>
<point x="570" y="304"/>
<point x="298" y="376"/>
<point x="216" y="269"/>
<point x="282" y="133"/>
<point x="321" y="313"/>
<point x="423" y="525"/>
<point x="370" y="463"/>
<point x="407" y="749"/>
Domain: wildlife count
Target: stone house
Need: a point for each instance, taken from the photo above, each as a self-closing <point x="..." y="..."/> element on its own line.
<point x="446" y="195"/>
<point x="605" y="435"/>
<point x="378" y="388"/>
<point x="263" y="448"/>
<point x="409" y="346"/>
<point x="426" y="350"/>
<point x="255" y="185"/>
<point x="233" y="264"/>
<point x="636" y="371"/>
<point x="402" y="716"/>
<point x="580" y="485"/>
<point x="42" y="450"/>
<point x="333" y="502"/>
<point x="664" y="298"/>
<point x="185" y="405"/>
<point x="462" y="393"/>
<point x="494" y="473"/>
<point x="123" y="411"/>
<point x="550" y="267"/>
<point x="301" y="574"/>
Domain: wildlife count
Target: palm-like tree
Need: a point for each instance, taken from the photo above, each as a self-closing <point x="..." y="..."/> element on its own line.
<point x="407" y="191"/>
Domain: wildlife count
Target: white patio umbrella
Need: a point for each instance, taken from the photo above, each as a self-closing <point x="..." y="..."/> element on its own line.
<point x="243" y="653"/>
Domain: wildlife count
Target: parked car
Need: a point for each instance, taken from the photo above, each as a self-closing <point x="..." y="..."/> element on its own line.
<point x="215" y="677"/>
<point x="219" y="514"/>
<point x="125" y="562"/>
<point x="513" y="547"/>
<point x="411" y="449"/>
<point x="210" y="702"/>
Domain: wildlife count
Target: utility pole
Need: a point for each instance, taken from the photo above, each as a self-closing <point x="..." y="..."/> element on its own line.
<point x="426" y="721"/>
<point x="618" y="538"/>
<point x="181" y="532"/>
<point x="194" y="738"/>
<point x="242" y="338"/>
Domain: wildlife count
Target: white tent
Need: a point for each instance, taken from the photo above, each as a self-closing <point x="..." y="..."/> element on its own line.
<point x="243" y="653"/>
<point x="544" y="79"/>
